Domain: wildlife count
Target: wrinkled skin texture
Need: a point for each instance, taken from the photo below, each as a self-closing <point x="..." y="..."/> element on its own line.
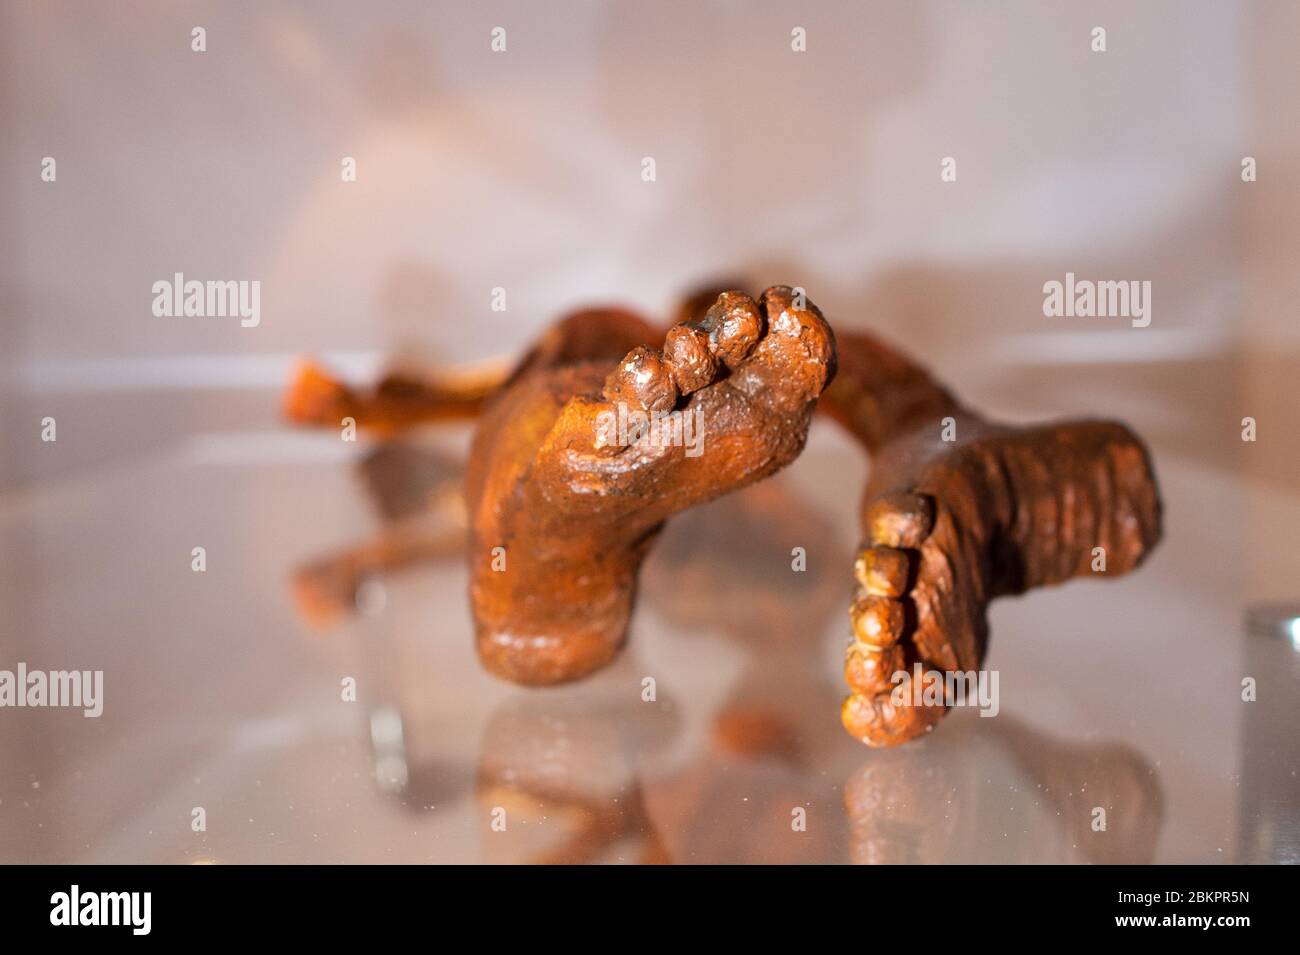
<point x="951" y="524"/>
<point x="947" y="525"/>
<point x="574" y="515"/>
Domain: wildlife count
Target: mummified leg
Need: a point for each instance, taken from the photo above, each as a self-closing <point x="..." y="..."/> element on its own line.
<point x="958" y="511"/>
<point x="561" y="514"/>
<point x="398" y="401"/>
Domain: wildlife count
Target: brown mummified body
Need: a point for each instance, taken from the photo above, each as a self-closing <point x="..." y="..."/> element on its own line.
<point x="957" y="510"/>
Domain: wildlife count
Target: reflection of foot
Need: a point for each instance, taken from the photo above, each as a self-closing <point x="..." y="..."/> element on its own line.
<point x="1079" y="779"/>
<point x="907" y="807"/>
<point x="1003" y="792"/>
<point x="326" y="590"/>
<point x="418" y="493"/>
<point x="951" y="525"/>
<point x="566" y="515"/>
<point x="565" y="771"/>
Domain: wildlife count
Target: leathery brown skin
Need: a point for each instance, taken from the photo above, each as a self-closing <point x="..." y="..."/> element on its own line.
<point x="950" y="525"/>
<point x="576" y="514"/>
<point x="397" y="402"/>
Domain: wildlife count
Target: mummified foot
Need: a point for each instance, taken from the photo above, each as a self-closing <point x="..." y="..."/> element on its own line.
<point x="952" y="524"/>
<point x="565" y="497"/>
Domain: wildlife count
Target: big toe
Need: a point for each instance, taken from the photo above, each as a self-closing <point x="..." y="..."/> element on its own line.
<point x="886" y="718"/>
<point x="795" y="360"/>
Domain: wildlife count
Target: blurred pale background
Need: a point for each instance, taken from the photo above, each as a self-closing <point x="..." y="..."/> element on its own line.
<point x="522" y="170"/>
